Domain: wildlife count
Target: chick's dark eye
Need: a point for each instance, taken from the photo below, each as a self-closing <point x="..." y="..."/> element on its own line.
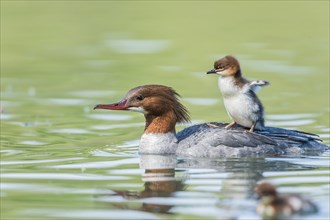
<point x="223" y="66"/>
<point x="140" y="97"/>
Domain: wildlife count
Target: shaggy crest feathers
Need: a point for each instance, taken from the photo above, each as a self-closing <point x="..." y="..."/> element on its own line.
<point x="162" y="99"/>
<point x="180" y="110"/>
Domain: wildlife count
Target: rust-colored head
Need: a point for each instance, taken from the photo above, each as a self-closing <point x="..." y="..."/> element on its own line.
<point x="151" y="100"/>
<point x="227" y="66"/>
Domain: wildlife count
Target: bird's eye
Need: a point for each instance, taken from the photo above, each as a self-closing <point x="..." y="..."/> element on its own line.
<point x="223" y="67"/>
<point x="140" y="97"/>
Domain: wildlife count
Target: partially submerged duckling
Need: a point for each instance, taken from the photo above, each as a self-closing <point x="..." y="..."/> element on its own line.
<point x="273" y="205"/>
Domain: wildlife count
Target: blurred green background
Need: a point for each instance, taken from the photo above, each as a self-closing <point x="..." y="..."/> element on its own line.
<point x="58" y="47"/>
<point x="59" y="58"/>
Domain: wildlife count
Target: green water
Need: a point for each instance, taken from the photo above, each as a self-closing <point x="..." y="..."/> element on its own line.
<point x="62" y="160"/>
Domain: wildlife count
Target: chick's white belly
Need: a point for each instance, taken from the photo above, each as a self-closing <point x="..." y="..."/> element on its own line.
<point x="242" y="110"/>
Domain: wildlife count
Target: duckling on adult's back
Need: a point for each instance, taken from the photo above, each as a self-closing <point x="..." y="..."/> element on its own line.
<point x="162" y="110"/>
<point x="239" y="94"/>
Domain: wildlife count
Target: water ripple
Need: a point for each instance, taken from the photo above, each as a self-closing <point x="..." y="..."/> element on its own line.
<point x="13" y="162"/>
<point x="114" y="126"/>
<point x="51" y="189"/>
<point x="9" y="152"/>
<point x="4" y="116"/>
<point x="98" y="164"/>
<point x="32" y="143"/>
<point x="61" y="176"/>
<point x="301" y="180"/>
<point x="70" y="131"/>
<point x="181" y="201"/>
<point x="317" y="161"/>
<point x="295" y="173"/>
<point x="91" y="214"/>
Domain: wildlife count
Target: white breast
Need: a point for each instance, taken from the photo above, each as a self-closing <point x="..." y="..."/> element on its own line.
<point x="158" y="143"/>
<point x="228" y="87"/>
<point x="239" y="105"/>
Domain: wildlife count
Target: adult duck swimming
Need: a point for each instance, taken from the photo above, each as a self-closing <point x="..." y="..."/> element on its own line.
<point x="162" y="110"/>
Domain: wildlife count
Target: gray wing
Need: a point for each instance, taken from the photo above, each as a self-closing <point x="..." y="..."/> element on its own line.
<point x="216" y="136"/>
<point x="278" y="138"/>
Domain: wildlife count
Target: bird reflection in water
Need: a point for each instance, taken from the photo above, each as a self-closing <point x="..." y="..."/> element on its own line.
<point x="226" y="185"/>
<point x="159" y="183"/>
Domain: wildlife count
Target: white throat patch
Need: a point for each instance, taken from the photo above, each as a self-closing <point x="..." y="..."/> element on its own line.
<point x="137" y="109"/>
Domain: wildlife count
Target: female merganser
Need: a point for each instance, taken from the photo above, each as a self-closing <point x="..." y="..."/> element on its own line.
<point x="162" y="110"/>
<point x="239" y="94"/>
<point x="275" y="206"/>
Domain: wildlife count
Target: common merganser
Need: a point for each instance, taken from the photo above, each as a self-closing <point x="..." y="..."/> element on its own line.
<point x="162" y="110"/>
<point x="239" y="94"/>
<point x="276" y="206"/>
